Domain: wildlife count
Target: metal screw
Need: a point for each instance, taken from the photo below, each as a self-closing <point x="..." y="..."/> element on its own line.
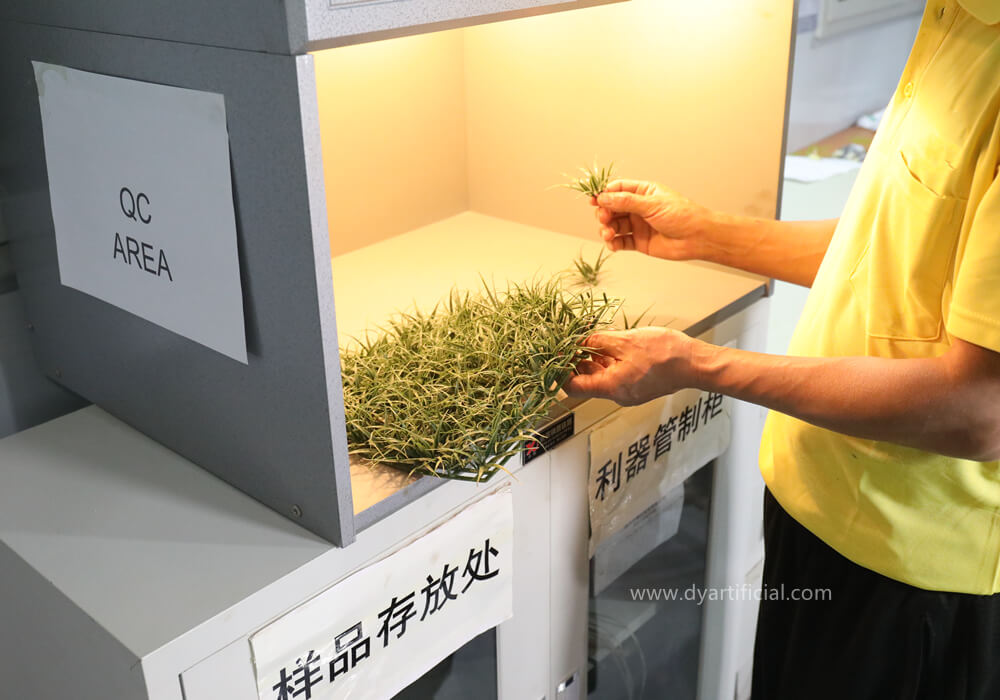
<point x="58" y="373"/>
<point x="297" y="511"/>
<point x="31" y="326"/>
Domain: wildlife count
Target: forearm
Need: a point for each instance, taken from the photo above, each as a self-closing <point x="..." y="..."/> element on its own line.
<point x="914" y="402"/>
<point x="790" y="251"/>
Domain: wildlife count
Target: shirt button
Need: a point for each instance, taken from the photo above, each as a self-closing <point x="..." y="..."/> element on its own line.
<point x="908" y="89"/>
<point x="941" y="11"/>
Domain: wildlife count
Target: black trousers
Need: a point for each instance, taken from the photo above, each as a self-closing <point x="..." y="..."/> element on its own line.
<point x="871" y="637"/>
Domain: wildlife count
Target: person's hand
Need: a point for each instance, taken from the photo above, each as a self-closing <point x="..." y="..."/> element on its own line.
<point x="635" y="366"/>
<point x="651" y="219"/>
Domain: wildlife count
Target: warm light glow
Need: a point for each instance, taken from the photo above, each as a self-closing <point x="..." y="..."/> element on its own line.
<point x="488" y="118"/>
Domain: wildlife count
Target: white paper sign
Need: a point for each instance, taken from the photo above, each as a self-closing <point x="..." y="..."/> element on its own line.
<point x="377" y="631"/>
<point x="142" y="201"/>
<point x="639" y="456"/>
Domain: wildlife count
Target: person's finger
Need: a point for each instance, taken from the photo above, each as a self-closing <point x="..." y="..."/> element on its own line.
<point x="616" y="242"/>
<point x="588" y="367"/>
<point x="607" y="343"/>
<point x="615" y="230"/>
<point x="625" y="185"/>
<point x="594" y="361"/>
<point x="626" y="241"/>
<point x="602" y="360"/>
<point x="587" y="385"/>
<point x="620" y="224"/>
<point x="624" y="225"/>
<point x="627" y="202"/>
<point x="607" y="217"/>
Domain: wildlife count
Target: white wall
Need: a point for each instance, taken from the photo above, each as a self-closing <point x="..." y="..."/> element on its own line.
<point x="836" y="80"/>
<point x="490" y="117"/>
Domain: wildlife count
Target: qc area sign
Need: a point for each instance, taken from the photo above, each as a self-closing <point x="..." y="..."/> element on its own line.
<point x="377" y="631"/>
<point x="142" y="201"/>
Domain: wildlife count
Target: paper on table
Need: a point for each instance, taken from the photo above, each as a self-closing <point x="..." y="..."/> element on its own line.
<point x="808" y="169"/>
<point x="871" y="121"/>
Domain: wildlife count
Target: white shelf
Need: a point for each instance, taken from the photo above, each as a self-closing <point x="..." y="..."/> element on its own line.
<point x="420" y="268"/>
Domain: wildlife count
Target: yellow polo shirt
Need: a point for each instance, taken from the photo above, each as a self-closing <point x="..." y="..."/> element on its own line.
<point x="914" y="263"/>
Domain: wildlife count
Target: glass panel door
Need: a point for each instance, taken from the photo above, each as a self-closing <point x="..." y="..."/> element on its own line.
<point x="471" y="672"/>
<point x="645" y="625"/>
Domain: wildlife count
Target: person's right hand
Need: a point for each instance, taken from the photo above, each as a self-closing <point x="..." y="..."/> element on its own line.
<point x="651" y="219"/>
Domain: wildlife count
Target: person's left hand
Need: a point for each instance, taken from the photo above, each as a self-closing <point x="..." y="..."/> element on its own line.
<point x="635" y="366"/>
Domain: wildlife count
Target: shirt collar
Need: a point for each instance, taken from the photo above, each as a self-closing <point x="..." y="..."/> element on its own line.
<point x="986" y="11"/>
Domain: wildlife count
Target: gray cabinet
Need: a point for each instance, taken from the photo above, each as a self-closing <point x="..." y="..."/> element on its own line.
<point x="275" y="26"/>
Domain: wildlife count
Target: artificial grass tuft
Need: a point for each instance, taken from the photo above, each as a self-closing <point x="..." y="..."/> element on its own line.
<point x="588" y="274"/>
<point x="457" y="391"/>
<point x="593" y="181"/>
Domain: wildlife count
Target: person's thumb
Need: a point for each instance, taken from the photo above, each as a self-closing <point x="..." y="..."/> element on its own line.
<point x="586" y="385"/>
<point x="628" y="202"/>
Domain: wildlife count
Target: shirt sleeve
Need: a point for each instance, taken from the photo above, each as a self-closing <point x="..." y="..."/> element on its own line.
<point x="974" y="315"/>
